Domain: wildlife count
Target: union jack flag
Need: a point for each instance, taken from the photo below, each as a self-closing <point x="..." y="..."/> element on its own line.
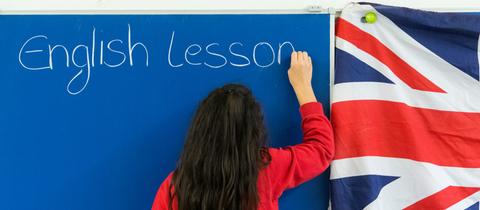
<point x="406" y="110"/>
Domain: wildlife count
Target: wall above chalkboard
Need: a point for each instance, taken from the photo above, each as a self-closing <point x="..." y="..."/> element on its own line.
<point x="218" y="6"/>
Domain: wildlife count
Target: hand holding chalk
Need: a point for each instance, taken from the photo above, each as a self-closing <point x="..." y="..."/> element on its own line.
<point x="300" y="76"/>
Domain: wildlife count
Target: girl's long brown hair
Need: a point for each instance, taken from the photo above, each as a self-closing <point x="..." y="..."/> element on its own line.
<point x="223" y="153"/>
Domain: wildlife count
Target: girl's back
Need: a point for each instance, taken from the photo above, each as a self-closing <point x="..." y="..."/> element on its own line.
<point x="225" y="164"/>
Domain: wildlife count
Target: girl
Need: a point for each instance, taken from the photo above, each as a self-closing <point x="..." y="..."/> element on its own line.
<point x="225" y="164"/>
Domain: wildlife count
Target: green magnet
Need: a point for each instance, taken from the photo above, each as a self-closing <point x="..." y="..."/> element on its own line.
<point x="370" y="17"/>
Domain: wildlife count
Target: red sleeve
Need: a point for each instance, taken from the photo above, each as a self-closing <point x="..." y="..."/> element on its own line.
<point x="162" y="198"/>
<point x="294" y="165"/>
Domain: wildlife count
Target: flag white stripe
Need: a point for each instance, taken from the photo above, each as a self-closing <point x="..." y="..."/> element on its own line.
<point x="455" y="176"/>
<point x="391" y="92"/>
<point x="417" y="180"/>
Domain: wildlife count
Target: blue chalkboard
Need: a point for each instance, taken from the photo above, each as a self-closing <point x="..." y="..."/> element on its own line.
<point x="94" y="108"/>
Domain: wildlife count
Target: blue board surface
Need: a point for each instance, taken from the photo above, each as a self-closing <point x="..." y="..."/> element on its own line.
<point x="94" y="108"/>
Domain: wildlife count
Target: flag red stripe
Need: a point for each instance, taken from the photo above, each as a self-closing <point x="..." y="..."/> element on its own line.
<point x="377" y="49"/>
<point x="444" y="198"/>
<point x="391" y="129"/>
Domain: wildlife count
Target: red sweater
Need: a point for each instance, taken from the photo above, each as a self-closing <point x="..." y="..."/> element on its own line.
<point x="290" y="166"/>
